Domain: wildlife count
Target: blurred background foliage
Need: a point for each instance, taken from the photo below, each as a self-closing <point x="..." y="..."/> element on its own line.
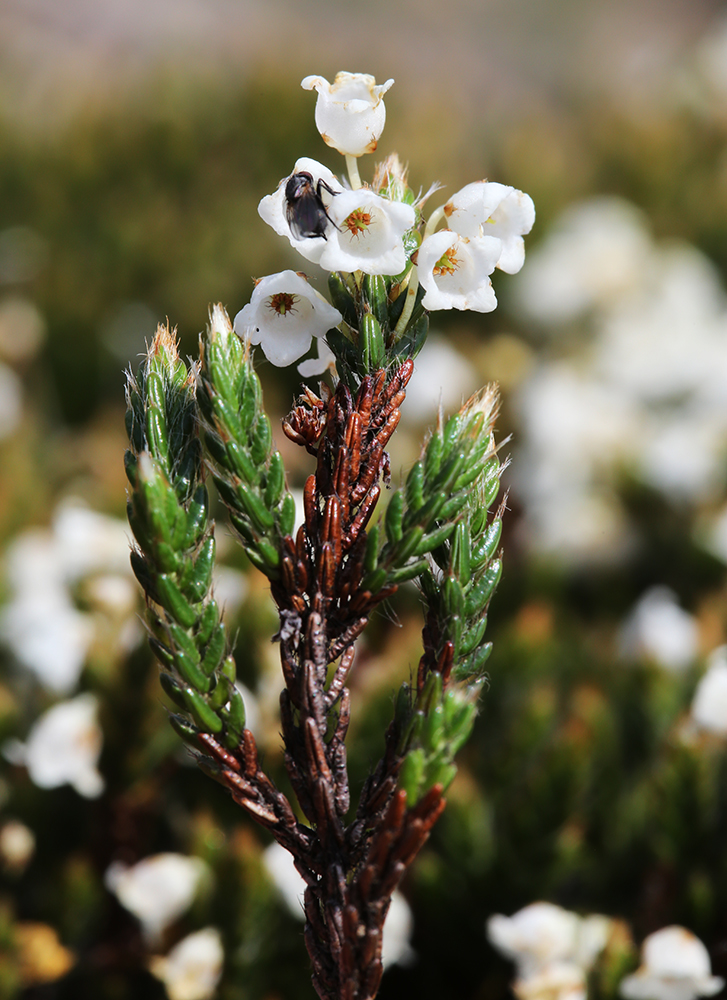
<point x="587" y="783"/>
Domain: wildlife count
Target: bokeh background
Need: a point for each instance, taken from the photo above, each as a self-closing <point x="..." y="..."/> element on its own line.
<point x="136" y="140"/>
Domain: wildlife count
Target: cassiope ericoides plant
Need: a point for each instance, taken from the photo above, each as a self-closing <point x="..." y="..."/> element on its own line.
<point x="387" y="268"/>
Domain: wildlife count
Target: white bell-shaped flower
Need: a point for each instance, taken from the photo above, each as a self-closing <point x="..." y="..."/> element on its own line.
<point x="275" y="209"/>
<point x="369" y="233"/>
<point x="674" y="966"/>
<point x="157" y="889"/>
<point x="709" y="706"/>
<point x="454" y="271"/>
<point x="350" y="112"/>
<point x="557" y="981"/>
<point x="192" y="969"/>
<point x="535" y="936"/>
<point x="63" y="747"/>
<point x="283" y="315"/>
<point x="552" y="949"/>
<point x="659" y="629"/>
<point x="318" y="366"/>
<point x="485" y="208"/>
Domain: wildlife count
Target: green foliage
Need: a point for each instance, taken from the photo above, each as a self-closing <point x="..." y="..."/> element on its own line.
<point x="247" y="471"/>
<point x="168" y="512"/>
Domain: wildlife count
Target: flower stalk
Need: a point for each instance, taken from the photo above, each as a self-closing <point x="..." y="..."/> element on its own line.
<point x="330" y="575"/>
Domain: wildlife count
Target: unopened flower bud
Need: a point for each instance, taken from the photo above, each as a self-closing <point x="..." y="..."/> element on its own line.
<point x="350" y="112"/>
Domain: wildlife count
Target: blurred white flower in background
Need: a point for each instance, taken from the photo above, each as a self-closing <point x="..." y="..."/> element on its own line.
<point x="674" y="966"/>
<point x="659" y="629"/>
<point x="22" y="329"/>
<point x="552" y="949"/>
<point x="17" y="845"/>
<point x="396" y="947"/>
<point x="40" y="623"/>
<point x="711" y="63"/>
<point x="709" y="705"/>
<point x="157" y="889"/>
<point x="192" y="969"/>
<point x="63" y="747"/>
<point x="557" y="981"/>
<point x="640" y="393"/>
<point x="280" y="867"/>
<point x="591" y="257"/>
<point x="443" y="377"/>
<point x="574" y="431"/>
<point x="11" y="401"/>
<point x="663" y="338"/>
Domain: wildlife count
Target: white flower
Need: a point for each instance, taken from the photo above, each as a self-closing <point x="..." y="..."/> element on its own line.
<point x="484" y="208"/>
<point x="63" y="747"/>
<point x="17" y="844"/>
<point x="369" y="233"/>
<point x="11" y="401"/>
<point x="48" y="636"/>
<point x="90" y="542"/>
<point x="318" y="366"/>
<point x="283" y="315"/>
<point x="157" y="889"/>
<point x="41" y="624"/>
<point x="444" y="377"/>
<point x="192" y="969"/>
<point x="535" y="936"/>
<point x="543" y="936"/>
<point x="674" y="966"/>
<point x="395" y="946"/>
<point x="709" y="707"/>
<point x="287" y="880"/>
<point x="454" y="271"/>
<point x="273" y="208"/>
<point x="556" y="981"/>
<point x="659" y="629"/>
<point x="593" y="256"/>
<point x="350" y="112"/>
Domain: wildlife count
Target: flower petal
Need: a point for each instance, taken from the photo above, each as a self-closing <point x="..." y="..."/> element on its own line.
<point x="455" y="271"/>
<point x="283" y="315"/>
<point x="350" y="113"/>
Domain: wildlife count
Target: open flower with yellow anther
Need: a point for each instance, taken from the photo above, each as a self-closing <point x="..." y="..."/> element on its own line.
<point x="369" y="234"/>
<point x="350" y="112"/>
<point x="484" y="208"/>
<point x="283" y="316"/>
<point x="455" y="270"/>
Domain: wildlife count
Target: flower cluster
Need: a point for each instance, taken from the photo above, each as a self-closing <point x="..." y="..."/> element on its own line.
<point x="552" y="948"/>
<point x="358" y="229"/>
<point x="634" y="378"/>
<point x="554" y="951"/>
